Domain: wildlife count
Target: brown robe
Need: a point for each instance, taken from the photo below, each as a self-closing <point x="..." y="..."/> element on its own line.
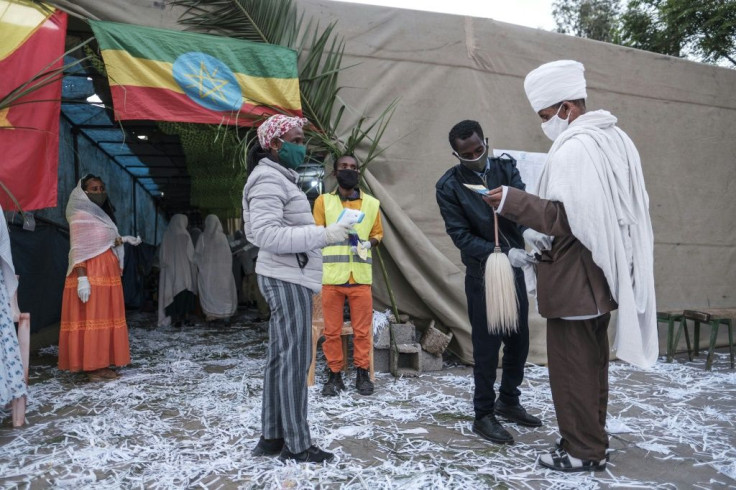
<point x="569" y="283"/>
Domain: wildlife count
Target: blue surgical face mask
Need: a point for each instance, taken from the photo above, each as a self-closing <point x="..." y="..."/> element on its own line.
<point x="291" y="155"/>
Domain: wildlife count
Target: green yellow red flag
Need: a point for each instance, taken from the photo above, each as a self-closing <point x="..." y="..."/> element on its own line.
<point x="31" y="43"/>
<point x="181" y="76"/>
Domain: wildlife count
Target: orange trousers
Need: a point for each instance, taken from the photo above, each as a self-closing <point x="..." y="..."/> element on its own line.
<point x="360" y="299"/>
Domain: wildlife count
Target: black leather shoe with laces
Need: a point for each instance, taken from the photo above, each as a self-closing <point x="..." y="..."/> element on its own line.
<point x="334" y="384"/>
<point x="311" y="455"/>
<point x="363" y="382"/>
<point x="491" y="429"/>
<point x="516" y="414"/>
<point x="268" y="447"/>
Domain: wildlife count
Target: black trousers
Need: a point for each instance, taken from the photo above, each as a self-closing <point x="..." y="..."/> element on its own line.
<point x="486" y="348"/>
<point x="577" y="352"/>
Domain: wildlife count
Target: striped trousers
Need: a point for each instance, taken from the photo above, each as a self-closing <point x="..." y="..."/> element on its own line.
<point x="284" y="411"/>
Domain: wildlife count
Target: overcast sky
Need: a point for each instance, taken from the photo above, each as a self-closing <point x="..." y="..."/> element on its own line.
<point x="530" y="13"/>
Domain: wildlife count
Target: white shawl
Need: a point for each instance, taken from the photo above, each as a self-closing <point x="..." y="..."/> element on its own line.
<point x="215" y="280"/>
<point x="176" y="260"/>
<point x="91" y="231"/>
<point x="6" y="262"/>
<point x="594" y="169"/>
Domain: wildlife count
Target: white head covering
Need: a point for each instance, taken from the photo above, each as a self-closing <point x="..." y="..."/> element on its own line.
<point x="555" y="82"/>
<point x="215" y="281"/>
<point x="91" y="231"/>
<point x="176" y="259"/>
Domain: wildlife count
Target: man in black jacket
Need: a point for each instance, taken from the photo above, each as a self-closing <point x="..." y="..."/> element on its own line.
<point x="469" y="222"/>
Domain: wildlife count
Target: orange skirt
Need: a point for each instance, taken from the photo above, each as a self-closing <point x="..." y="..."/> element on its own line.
<point x="94" y="335"/>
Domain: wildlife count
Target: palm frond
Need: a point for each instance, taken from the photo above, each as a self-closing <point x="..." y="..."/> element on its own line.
<point x="46" y="76"/>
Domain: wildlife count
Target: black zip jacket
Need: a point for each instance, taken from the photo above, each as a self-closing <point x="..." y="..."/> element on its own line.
<point x="469" y="220"/>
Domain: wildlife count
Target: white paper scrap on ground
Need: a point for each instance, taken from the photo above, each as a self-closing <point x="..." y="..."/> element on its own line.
<point x="187" y="413"/>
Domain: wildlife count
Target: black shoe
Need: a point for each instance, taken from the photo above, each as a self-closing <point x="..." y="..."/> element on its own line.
<point x="334" y="384"/>
<point x="363" y="381"/>
<point x="560" y="460"/>
<point x="268" y="447"/>
<point x="489" y="428"/>
<point x="516" y="414"/>
<point x="559" y="441"/>
<point x="311" y="455"/>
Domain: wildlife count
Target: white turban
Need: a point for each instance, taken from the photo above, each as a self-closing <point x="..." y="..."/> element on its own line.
<point x="555" y="82"/>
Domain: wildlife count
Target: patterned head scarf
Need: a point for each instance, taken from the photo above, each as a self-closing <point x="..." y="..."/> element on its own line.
<point x="277" y="125"/>
<point x="555" y="82"/>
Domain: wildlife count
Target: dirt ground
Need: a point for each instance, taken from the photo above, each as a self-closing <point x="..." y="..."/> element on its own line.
<point x="186" y="414"/>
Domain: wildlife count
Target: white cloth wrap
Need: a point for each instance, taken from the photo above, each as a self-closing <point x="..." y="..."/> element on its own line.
<point x="594" y="169"/>
<point x="91" y="231"/>
<point x="176" y="259"/>
<point x="555" y="82"/>
<point x="215" y="281"/>
<point x="6" y="262"/>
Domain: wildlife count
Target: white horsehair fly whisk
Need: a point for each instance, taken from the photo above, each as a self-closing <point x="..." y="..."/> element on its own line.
<point x="502" y="305"/>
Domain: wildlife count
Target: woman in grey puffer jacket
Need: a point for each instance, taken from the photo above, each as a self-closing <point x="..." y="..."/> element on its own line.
<point x="279" y="221"/>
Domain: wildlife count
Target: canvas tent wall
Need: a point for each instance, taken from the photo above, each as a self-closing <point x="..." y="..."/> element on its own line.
<point x="446" y="68"/>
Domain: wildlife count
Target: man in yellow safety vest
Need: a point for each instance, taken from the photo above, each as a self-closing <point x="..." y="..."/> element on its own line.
<point x="347" y="273"/>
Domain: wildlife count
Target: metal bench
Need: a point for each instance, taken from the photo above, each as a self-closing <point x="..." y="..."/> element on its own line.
<point x="671" y="317"/>
<point x="713" y="317"/>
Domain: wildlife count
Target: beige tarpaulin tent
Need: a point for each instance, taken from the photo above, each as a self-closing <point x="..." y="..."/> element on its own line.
<point x="446" y="68"/>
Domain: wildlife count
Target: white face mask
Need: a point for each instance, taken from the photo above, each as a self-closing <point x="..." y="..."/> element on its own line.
<point x="554" y="126"/>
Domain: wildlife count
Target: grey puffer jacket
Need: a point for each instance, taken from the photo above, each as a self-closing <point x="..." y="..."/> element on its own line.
<point x="279" y="221"/>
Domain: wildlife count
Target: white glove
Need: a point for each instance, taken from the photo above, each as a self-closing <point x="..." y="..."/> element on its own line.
<point x="365" y="245"/>
<point x="83" y="288"/>
<point x="133" y="240"/>
<point x="519" y="258"/>
<point x="539" y="242"/>
<point x="336" y="232"/>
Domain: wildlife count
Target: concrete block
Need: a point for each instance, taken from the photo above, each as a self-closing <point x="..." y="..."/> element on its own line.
<point x="406" y="360"/>
<point x="381" y="360"/>
<point x="404" y="333"/>
<point x="431" y="362"/>
<point x="434" y="341"/>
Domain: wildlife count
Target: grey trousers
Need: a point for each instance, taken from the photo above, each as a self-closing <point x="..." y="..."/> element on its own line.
<point x="284" y="411"/>
<point x="577" y="353"/>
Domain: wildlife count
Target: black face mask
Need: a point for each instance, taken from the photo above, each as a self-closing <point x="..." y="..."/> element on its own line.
<point x="348" y="179"/>
<point x="99" y="198"/>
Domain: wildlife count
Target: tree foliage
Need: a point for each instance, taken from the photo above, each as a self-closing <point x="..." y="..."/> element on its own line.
<point x="704" y="30"/>
<point x="593" y="19"/>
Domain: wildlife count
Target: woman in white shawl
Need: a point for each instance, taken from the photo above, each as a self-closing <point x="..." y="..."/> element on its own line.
<point x="12" y="379"/>
<point x="215" y="281"/>
<point x="94" y="333"/>
<point x="177" y="279"/>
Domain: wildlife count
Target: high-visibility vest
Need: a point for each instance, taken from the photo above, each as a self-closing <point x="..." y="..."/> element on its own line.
<point x="338" y="262"/>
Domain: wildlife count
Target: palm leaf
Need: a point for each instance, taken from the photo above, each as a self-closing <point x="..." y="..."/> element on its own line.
<point x="46" y="76"/>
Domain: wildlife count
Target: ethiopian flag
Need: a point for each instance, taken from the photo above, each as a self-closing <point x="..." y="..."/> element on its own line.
<point x="181" y="76"/>
<point x="31" y="44"/>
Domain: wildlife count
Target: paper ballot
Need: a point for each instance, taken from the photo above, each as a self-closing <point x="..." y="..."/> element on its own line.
<point x="350" y="216"/>
<point x="480" y="189"/>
